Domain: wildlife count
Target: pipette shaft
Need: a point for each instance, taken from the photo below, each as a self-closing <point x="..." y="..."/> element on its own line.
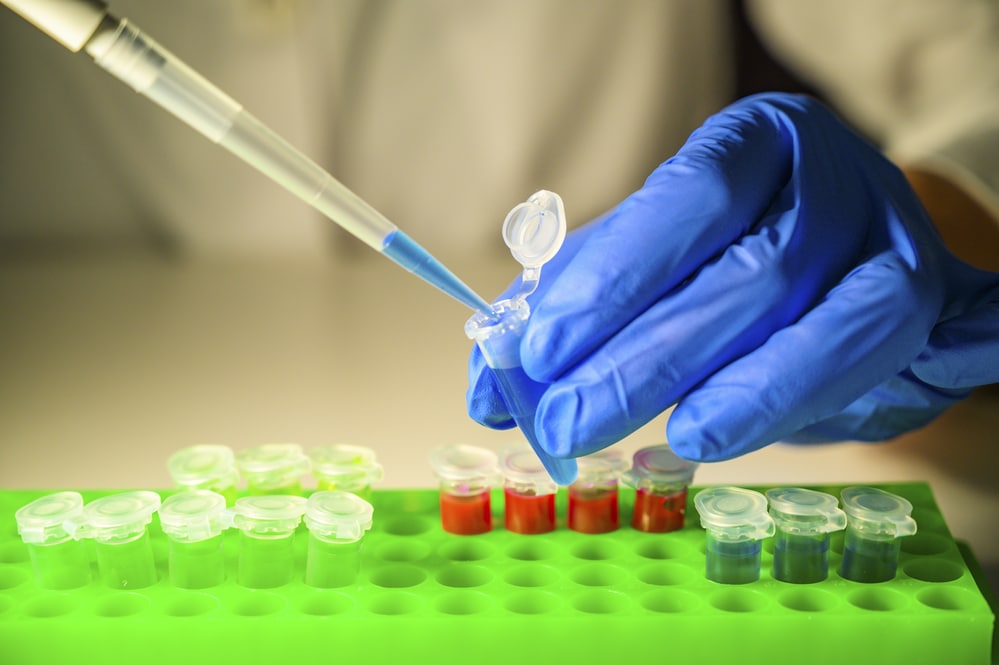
<point x="129" y="55"/>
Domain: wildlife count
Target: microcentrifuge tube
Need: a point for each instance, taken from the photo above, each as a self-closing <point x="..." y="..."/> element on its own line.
<point x="118" y="525"/>
<point x="273" y="468"/>
<point x="347" y="468"/>
<point x="534" y="231"/>
<point x="337" y="522"/>
<point x="57" y="559"/>
<point x="528" y="492"/>
<point x="803" y="520"/>
<point x="193" y="522"/>
<point x="735" y="522"/>
<point x="466" y="475"/>
<point x="593" y="497"/>
<point x="267" y="526"/>
<point x="660" y="479"/>
<point x="205" y="467"/>
<point x="875" y="521"/>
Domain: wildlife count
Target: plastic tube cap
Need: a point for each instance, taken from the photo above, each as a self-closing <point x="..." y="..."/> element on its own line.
<point x="338" y="515"/>
<point x="193" y="516"/>
<point x="600" y="467"/>
<point x="268" y="516"/>
<point x="734" y="514"/>
<point x="659" y="468"/>
<point x="116" y="517"/>
<point x="875" y="511"/>
<point x="805" y="512"/>
<point x="273" y="464"/>
<point x="41" y="521"/>
<point x="344" y="464"/>
<point x="522" y="469"/>
<point x="535" y="229"/>
<point x="203" y="465"/>
<point x="464" y="464"/>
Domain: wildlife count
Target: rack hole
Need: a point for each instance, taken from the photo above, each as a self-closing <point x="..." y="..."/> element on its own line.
<point x="532" y="576"/>
<point x="532" y="549"/>
<point x="322" y="604"/>
<point x="942" y="598"/>
<point x="463" y="575"/>
<point x="191" y="605"/>
<point x="12" y="578"/>
<point x="738" y="600"/>
<point x="595" y="550"/>
<point x="463" y="602"/>
<point x="466" y="550"/>
<point x="600" y="602"/>
<point x="403" y="550"/>
<point x="532" y="602"/>
<point x="933" y="570"/>
<point x="121" y="605"/>
<point x="669" y="601"/>
<point x="926" y="544"/>
<point x="877" y="600"/>
<point x="398" y="576"/>
<point x="13" y="553"/>
<point x="665" y="574"/>
<point x="394" y="604"/>
<point x="597" y="574"/>
<point x="50" y="605"/>
<point x="660" y="549"/>
<point x="807" y="600"/>
<point x="407" y="526"/>
<point x="258" y="604"/>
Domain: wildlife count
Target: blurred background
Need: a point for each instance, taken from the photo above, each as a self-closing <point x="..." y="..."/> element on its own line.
<point x="156" y="293"/>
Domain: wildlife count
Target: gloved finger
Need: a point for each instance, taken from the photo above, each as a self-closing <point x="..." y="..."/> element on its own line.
<point x="868" y="329"/>
<point x="691" y="208"/>
<point x="900" y="404"/>
<point x="963" y="351"/>
<point x="483" y="401"/>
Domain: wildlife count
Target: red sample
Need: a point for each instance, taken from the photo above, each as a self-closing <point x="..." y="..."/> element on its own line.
<point x="466" y="514"/>
<point x="593" y="510"/>
<point x="529" y="513"/>
<point x="659" y="513"/>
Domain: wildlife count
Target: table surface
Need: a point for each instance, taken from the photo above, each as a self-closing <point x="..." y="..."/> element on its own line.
<point x="109" y="363"/>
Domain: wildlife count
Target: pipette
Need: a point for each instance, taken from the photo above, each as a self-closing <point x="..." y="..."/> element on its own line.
<point x="121" y="49"/>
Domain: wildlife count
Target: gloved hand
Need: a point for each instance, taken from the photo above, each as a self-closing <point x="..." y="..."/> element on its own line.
<point x="776" y="279"/>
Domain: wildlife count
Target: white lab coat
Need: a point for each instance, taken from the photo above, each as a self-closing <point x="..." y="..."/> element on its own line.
<point x="444" y="113"/>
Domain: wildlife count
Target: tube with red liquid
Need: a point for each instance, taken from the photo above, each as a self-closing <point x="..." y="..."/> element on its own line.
<point x="593" y="498"/>
<point x="467" y="474"/>
<point x="660" y="479"/>
<point x="528" y="492"/>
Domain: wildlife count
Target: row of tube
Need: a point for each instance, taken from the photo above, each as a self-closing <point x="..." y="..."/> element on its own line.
<point x="56" y="527"/>
<point x="467" y="475"/>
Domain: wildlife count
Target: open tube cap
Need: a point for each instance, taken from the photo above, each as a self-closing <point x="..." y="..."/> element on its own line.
<point x="522" y="469"/>
<point x="534" y="230"/>
<point x="342" y="463"/>
<point x="41" y="521"/>
<point x="600" y="467"/>
<point x="658" y="467"/>
<point x="878" y="512"/>
<point x="193" y="516"/>
<point x="197" y="466"/>
<point x="805" y="512"/>
<point x="338" y="515"/>
<point x="272" y="515"/>
<point x="734" y="514"/>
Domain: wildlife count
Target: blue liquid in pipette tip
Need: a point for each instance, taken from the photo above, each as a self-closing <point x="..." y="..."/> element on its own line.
<point x="407" y="253"/>
<point x="522" y="395"/>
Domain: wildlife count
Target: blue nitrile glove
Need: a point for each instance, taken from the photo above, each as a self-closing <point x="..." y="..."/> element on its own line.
<point x="777" y="279"/>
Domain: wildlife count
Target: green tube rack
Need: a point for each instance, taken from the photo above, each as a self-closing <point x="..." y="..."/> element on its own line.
<point x="428" y="596"/>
